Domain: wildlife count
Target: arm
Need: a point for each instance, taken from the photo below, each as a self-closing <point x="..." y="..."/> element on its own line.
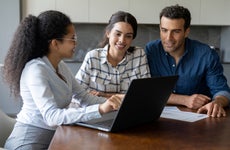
<point x="194" y="101"/>
<point x="216" y="107"/>
<point x="217" y="84"/>
<point x="102" y="94"/>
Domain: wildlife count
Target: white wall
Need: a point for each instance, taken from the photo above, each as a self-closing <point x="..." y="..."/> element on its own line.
<point x="10" y="17"/>
<point x="224" y="43"/>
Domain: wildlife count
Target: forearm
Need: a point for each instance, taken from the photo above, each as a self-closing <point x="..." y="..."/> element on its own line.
<point x="176" y="99"/>
<point x="221" y="100"/>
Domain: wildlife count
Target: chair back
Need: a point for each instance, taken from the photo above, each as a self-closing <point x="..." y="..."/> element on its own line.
<point x="6" y="127"/>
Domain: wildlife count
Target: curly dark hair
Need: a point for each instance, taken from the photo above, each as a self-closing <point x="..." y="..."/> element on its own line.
<point x="177" y="12"/>
<point x="31" y="40"/>
<point x="120" y="16"/>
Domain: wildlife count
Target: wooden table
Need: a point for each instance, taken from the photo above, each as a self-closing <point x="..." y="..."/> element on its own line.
<point x="209" y="133"/>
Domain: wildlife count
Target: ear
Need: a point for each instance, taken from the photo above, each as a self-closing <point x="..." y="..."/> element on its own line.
<point x="107" y="34"/>
<point x="54" y="43"/>
<point x="187" y="31"/>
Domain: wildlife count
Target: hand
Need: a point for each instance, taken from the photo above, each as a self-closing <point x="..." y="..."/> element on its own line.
<point x="96" y="93"/>
<point x="101" y="94"/>
<point x="216" y="107"/>
<point x="196" y="101"/>
<point x="213" y="109"/>
<point x="112" y="103"/>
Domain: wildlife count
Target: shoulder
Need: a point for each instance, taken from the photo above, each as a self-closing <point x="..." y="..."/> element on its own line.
<point x="34" y="64"/>
<point x="198" y="47"/>
<point x="152" y="45"/>
<point x="201" y="50"/>
<point x="35" y="68"/>
<point x="196" y="44"/>
<point x="96" y="53"/>
<point x="138" y="51"/>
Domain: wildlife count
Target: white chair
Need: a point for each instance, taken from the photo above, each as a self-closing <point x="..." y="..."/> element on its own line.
<point x="6" y="127"/>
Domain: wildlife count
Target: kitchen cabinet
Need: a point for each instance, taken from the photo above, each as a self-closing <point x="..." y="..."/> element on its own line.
<point x="77" y="10"/>
<point x="204" y="12"/>
<point x="101" y="10"/>
<point x="35" y="7"/>
<point x="148" y="11"/>
<point x="215" y="12"/>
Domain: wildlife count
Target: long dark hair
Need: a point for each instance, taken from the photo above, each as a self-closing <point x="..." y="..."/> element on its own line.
<point x="31" y="41"/>
<point x="120" y="16"/>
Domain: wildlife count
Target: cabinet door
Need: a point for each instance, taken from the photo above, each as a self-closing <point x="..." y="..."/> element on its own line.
<point x="101" y="10"/>
<point x="193" y="6"/>
<point x="35" y="7"/>
<point x="147" y="11"/>
<point x="215" y="12"/>
<point x="77" y="10"/>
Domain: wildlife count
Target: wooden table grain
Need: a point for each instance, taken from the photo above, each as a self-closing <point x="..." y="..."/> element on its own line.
<point x="208" y="133"/>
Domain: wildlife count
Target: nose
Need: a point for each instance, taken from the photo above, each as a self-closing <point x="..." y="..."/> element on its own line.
<point x="169" y="35"/>
<point x="122" y="39"/>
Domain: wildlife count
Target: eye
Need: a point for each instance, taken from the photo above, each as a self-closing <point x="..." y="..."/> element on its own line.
<point x="163" y="30"/>
<point x="176" y="31"/>
<point x="130" y="36"/>
<point x="118" y="34"/>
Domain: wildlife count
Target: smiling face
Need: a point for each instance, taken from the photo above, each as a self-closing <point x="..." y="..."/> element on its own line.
<point x="120" y="38"/>
<point x="67" y="44"/>
<point x="173" y="35"/>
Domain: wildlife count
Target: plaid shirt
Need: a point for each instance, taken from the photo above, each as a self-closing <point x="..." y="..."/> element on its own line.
<point x="96" y="73"/>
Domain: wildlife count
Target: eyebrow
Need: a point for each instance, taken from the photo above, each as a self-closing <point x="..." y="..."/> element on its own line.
<point x="172" y="29"/>
<point x="121" y="32"/>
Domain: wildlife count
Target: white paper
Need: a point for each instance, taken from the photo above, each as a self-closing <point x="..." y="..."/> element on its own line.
<point x="172" y="112"/>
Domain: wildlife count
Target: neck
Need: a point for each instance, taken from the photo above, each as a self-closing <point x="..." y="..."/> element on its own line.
<point x="114" y="59"/>
<point x="54" y="61"/>
<point x="177" y="54"/>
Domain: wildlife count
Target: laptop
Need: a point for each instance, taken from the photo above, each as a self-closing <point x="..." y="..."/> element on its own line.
<point x="143" y="103"/>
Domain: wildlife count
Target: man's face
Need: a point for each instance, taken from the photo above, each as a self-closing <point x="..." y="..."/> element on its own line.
<point x="173" y="34"/>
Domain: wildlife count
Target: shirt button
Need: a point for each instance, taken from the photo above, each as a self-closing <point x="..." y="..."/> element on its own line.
<point x="173" y="65"/>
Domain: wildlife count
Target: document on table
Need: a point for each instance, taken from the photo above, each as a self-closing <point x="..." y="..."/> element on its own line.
<point x="172" y="112"/>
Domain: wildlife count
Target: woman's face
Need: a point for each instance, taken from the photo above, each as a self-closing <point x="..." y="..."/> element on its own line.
<point x="120" y="37"/>
<point x="67" y="45"/>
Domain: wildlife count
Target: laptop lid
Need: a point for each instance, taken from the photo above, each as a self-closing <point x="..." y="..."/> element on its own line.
<point x="143" y="103"/>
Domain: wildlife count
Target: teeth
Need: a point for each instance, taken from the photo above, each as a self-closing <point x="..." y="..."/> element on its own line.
<point x="121" y="46"/>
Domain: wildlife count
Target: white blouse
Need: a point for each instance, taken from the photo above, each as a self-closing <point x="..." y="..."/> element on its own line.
<point x="46" y="97"/>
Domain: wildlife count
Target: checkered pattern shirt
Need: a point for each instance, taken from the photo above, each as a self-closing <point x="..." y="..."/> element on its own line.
<point x="96" y="73"/>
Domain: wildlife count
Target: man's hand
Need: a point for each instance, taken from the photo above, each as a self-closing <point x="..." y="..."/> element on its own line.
<point x="215" y="108"/>
<point x="196" y="101"/>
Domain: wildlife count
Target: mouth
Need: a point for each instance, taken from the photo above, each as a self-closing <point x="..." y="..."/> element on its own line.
<point x="120" y="46"/>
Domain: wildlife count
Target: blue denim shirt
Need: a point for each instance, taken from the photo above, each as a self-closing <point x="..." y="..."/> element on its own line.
<point x="200" y="70"/>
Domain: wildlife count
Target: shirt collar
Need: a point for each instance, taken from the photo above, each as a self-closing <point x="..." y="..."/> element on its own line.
<point x="47" y="62"/>
<point x="104" y="56"/>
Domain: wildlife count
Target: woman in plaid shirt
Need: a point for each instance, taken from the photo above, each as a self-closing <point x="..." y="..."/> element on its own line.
<point x="111" y="68"/>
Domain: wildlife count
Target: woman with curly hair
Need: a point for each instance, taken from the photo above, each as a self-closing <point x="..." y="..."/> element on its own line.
<point x="35" y="71"/>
